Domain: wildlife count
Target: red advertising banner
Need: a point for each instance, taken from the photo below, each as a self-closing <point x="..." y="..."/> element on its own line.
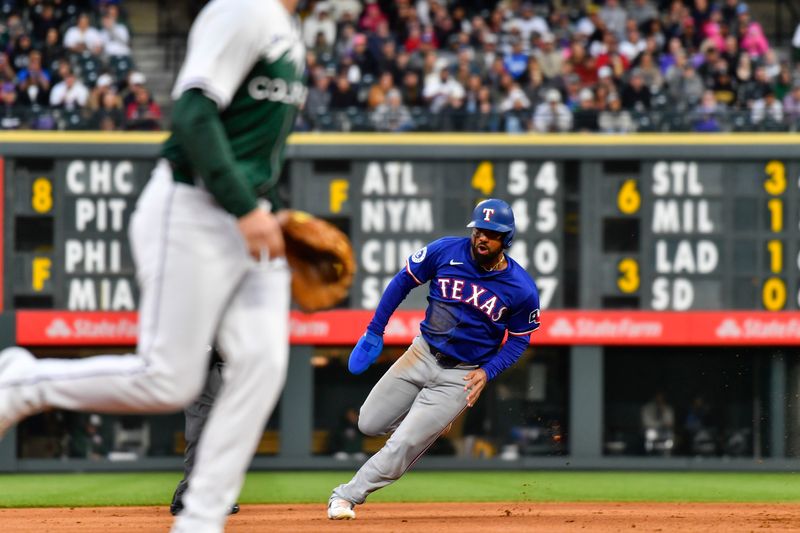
<point x="342" y="328"/>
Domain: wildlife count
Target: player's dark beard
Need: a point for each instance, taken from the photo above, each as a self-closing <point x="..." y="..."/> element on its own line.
<point x="485" y="261"/>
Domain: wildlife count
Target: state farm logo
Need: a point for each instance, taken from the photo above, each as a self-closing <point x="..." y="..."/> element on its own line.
<point x="58" y="328"/>
<point x="608" y="328"/>
<point x="756" y="328"/>
<point x="89" y="329"/>
<point x="729" y="329"/>
<point x="309" y="328"/>
<point x="562" y="328"/>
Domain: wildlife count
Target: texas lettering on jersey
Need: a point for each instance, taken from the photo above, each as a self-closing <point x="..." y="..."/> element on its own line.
<point x="453" y="289"/>
<point x="471" y="309"/>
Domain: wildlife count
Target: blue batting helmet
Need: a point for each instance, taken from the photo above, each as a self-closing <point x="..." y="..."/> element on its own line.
<point x="494" y="215"/>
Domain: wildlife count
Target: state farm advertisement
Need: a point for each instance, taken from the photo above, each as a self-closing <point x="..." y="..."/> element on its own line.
<point x="342" y="328"/>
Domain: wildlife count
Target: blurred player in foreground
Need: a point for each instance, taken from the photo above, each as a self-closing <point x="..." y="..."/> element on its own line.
<point x="209" y="259"/>
<point x="476" y="294"/>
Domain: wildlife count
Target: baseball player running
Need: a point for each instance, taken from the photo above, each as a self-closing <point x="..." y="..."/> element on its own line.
<point x="209" y="259"/>
<point x="476" y="294"/>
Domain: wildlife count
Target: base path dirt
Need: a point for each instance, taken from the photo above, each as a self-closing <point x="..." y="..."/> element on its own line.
<point x="430" y="517"/>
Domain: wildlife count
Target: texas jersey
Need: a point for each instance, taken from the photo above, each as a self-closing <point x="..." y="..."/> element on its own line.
<point x="247" y="56"/>
<point x="470" y="309"/>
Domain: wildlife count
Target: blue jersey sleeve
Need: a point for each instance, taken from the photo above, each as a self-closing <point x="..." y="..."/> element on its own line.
<point x="423" y="264"/>
<point x="524" y="318"/>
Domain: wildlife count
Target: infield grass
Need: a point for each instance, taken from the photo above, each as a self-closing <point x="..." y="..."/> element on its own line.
<point x="79" y="490"/>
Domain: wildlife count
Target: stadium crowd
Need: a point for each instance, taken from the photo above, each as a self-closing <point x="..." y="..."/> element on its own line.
<point x="545" y="66"/>
<point x="452" y="65"/>
<point x="67" y="65"/>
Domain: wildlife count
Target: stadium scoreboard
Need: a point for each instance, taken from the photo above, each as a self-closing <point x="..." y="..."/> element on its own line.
<point x="607" y="227"/>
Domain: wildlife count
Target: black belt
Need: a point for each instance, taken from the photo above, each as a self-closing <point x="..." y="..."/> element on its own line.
<point x="445" y="361"/>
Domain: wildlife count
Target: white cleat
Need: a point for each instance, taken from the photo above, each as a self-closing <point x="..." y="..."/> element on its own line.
<point x="15" y="365"/>
<point x="339" y="509"/>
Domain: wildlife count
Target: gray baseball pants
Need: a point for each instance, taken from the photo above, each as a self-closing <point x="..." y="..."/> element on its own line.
<point x="417" y="398"/>
<point x="196" y="415"/>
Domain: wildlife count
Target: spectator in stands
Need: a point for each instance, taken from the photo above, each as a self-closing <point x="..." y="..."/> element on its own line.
<point x="723" y="85"/>
<point x="615" y="119"/>
<point x="345" y="8"/>
<point x="43" y="20"/>
<point x="20" y="52"/>
<point x="135" y="79"/>
<point x="552" y="115"/>
<point x="651" y="75"/>
<point x="103" y="85"/>
<point x="411" y="90"/>
<point x="343" y="95"/>
<point x="391" y="115"/>
<point x="641" y="12"/>
<point x="705" y="115"/>
<point x="614" y="18"/>
<point x="585" y="117"/>
<point x="362" y="57"/>
<point x="528" y="22"/>
<point x="319" y="22"/>
<point x="634" y="44"/>
<point x="319" y="94"/>
<point x="108" y="116"/>
<point x="635" y="94"/>
<point x="12" y="116"/>
<point x="143" y="113"/>
<point x="516" y="60"/>
<point x="114" y="34"/>
<point x="440" y="89"/>
<point x="684" y="86"/>
<point x="783" y="83"/>
<point x="83" y="37"/>
<point x="548" y="57"/>
<point x="52" y="50"/>
<point x="515" y="110"/>
<point x="378" y="90"/>
<point x="371" y="17"/>
<point x="34" y="82"/>
<point x="755" y="88"/>
<point x="796" y="44"/>
<point x="70" y="94"/>
<point x="14" y="28"/>
<point x="582" y="64"/>
<point x="751" y="36"/>
<point x="767" y="109"/>
<point x="791" y="106"/>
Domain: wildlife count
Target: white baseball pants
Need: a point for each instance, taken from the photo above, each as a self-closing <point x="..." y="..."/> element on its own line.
<point x="198" y="284"/>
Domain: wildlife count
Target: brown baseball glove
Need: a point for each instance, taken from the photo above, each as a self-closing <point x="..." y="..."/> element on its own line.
<point x="321" y="259"/>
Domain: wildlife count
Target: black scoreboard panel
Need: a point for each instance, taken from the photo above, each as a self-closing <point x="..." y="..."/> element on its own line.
<point x="693" y="234"/>
<point x="598" y="229"/>
<point x="394" y="207"/>
<point x="66" y="239"/>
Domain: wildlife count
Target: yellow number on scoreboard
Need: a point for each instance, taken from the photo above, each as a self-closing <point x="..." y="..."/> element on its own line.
<point x="775" y="206"/>
<point x="483" y="178"/>
<point x="628" y="280"/>
<point x="628" y="199"/>
<point x="775" y="249"/>
<point x="776" y="183"/>
<point x="773" y="294"/>
<point x="42" y="197"/>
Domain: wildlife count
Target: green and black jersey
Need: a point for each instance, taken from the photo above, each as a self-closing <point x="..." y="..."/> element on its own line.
<point x="248" y="57"/>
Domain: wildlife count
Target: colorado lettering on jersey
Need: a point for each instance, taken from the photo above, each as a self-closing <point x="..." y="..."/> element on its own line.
<point x="453" y="289"/>
<point x="263" y="88"/>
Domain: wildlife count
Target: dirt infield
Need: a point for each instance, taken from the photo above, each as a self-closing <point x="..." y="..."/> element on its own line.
<point x="429" y="517"/>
